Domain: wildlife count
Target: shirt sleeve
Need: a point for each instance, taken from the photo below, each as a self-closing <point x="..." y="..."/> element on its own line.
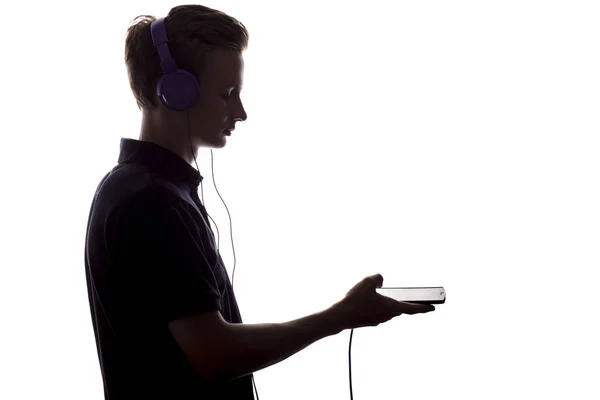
<point x="163" y="259"/>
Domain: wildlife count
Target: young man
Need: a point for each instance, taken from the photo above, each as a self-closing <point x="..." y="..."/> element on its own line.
<point x="166" y="321"/>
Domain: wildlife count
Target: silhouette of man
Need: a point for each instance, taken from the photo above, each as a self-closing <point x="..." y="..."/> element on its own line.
<point x="165" y="318"/>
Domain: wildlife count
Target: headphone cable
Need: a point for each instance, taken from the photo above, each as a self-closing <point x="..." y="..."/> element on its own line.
<point x="216" y="226"/>
<point x="233" y="249"/>
<point x="228" y="214"/>
<point x="350" y="363"/>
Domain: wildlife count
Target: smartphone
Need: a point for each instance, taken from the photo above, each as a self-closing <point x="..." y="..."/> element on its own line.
<point x="419" y="295"/>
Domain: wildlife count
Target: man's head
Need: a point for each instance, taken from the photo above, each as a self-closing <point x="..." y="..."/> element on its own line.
<point x="207" y="43"/>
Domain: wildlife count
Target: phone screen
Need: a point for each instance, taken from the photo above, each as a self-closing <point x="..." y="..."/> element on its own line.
<point x="415" y="294"/>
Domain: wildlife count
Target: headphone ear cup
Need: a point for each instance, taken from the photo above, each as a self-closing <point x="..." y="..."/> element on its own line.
<point x="178" y="91"/>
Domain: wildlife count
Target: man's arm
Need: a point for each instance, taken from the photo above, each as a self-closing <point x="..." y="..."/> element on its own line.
<point x="222" y="351"/>
<point x="153" y="239"/>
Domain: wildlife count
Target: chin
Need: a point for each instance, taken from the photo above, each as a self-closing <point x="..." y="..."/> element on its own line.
<point x="214" y="143"/>
<point x="221" y="141"/>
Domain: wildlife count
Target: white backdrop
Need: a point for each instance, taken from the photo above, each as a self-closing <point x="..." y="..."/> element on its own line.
<point x="450" y="143"/>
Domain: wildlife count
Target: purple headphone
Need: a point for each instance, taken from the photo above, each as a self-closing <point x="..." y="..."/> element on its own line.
<point x="177" y="89"/>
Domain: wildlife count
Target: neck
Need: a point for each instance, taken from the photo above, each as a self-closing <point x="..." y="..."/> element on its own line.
<point x="167" y="131"/>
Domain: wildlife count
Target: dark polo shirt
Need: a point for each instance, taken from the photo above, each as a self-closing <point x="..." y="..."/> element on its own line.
<point x="150" y="258"/>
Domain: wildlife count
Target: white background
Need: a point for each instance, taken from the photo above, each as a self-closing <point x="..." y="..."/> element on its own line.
<point x="450" y="143"/>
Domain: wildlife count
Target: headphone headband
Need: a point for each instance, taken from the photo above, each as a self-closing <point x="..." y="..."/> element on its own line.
<point x="158" y="31"/>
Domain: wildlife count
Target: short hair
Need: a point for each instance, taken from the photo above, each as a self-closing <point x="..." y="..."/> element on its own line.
<point x="193" y="31"/>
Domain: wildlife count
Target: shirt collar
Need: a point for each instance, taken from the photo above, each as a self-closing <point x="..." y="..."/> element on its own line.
<point x="159" y="160"/>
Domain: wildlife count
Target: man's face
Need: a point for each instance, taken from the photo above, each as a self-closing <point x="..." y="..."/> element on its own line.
<point x="219" y="106"/>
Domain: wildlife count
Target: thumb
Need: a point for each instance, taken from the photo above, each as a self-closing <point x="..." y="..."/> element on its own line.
<point x="377" y="280"/>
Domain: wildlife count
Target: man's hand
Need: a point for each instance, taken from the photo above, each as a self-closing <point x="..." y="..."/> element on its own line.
<point x="363" y="306"/>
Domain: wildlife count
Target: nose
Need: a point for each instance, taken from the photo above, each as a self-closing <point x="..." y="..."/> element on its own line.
<point x="240" y="113"/>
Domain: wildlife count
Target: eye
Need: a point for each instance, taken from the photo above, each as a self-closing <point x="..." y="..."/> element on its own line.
<point x="228" y="94"/>
<point x="231" y="91"/>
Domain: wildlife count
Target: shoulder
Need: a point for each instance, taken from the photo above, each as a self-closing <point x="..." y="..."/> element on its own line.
<point x="149" y="199"/>
<point x="131" y="186"/>
<point x="152" y="202"/>
<point x="132" y="198"/>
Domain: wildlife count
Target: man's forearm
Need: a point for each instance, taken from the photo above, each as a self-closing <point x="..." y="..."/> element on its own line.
<point x="253" y="347"/>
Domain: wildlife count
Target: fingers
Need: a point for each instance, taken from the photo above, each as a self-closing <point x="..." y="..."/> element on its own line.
<point x="412" y="308"/>
<point x="403" y="307"/>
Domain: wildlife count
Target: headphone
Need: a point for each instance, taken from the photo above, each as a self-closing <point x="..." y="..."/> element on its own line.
<point x="177" y="90"/>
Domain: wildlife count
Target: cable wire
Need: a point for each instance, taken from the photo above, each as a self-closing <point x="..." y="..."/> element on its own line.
<point x="211" y="218"/>
<point x="350" y="364"/>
